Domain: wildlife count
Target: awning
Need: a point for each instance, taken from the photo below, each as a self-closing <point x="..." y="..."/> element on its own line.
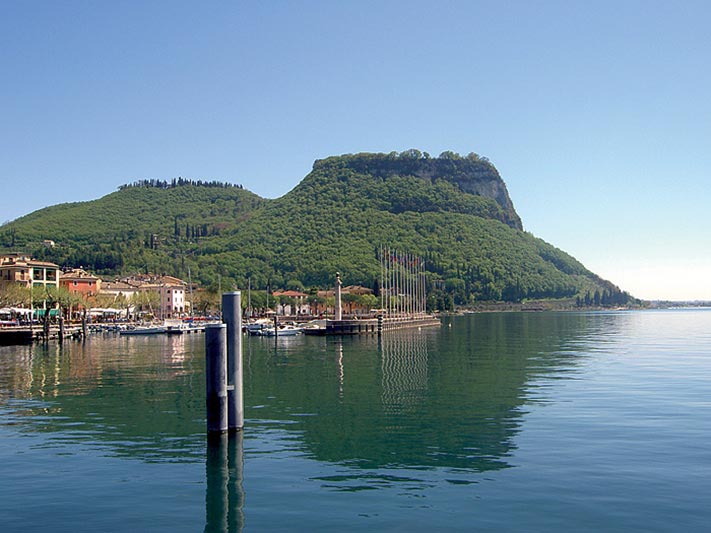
<point x="15" y="311"/>
<point x="39" y="313"/>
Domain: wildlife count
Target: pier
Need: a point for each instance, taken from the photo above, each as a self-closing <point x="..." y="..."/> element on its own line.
<point x="403" y="300"/>
<point x="26" y="335"/>
<point x="373" y="326"/>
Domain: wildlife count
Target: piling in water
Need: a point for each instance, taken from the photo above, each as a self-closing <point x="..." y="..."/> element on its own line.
<point x="232" y="316"/>
<point x="216" y="377"/>
<point x="45" y="325"/>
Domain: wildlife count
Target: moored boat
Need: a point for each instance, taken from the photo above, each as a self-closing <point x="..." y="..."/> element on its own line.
<point x="143" y="330"/>
<point x="287" y="330"/>
<point x="315" y="327"/>
<point x="256" y="327"/>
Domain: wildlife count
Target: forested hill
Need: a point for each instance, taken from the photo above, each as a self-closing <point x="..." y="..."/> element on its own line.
<point x="453" y="180"/>
<point x="453" y="211"/>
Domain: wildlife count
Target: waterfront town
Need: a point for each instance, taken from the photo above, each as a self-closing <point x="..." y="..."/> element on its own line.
<point x="34" y="292"/>
<point x="30" y="288"/>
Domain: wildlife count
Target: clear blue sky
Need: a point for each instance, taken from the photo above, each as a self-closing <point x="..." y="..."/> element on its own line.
<point x="597" y="114"/>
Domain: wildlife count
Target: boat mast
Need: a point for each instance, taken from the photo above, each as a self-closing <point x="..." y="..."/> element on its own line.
<point x="249" y="297"/>
<point x="190" y="281"/>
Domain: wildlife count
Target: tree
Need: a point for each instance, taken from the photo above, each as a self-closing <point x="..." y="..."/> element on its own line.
<point x="368" y="301"/>
<point x="42" y="296"/>
<point x="70" y="302"/>
<point x="295" y="285"/>
<point x="350" y="299"/>
<point x="14" y="294"/>
<point x="315" y="301"/>
<point x="206" y="301"/>
<point x="146" y="301"/>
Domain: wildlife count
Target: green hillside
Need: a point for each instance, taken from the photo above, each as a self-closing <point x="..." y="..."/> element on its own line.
<point x="453" y="211"/>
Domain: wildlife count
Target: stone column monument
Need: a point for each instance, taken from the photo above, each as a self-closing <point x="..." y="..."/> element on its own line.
<point x="338" y="312"/>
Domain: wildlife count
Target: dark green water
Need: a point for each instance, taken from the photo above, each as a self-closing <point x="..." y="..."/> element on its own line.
<point x="536" y="422"/>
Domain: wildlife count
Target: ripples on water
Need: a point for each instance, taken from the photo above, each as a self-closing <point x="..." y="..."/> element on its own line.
<point x="547" y="421"/>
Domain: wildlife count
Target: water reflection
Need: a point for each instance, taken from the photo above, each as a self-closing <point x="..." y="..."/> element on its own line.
<point x="404" y="369"/>
<point x="137" y="396"/>
<point x="224" y="494"/>
<point x="450" y="397"/>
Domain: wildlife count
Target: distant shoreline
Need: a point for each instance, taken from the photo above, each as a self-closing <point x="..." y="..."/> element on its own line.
<point x="567" y="305"/>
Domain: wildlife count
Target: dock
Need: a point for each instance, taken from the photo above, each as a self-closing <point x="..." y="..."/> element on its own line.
<point x="26" y="335"/>
<point x="373" y="326"/>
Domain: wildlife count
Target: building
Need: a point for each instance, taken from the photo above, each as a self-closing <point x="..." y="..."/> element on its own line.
<point x="172" y="297"/>
<point x="79" y="281"/>
<point x="292" y="303"/>
<point x="171" y="291"/>
<point x="118" y="290"/>
<point x="21" y="268"/>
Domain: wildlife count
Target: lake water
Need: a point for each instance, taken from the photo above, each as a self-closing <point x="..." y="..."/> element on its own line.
<point x="498" y="422"/>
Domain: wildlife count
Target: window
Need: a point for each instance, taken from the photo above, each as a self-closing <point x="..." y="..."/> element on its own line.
<point x="37" y="273"/>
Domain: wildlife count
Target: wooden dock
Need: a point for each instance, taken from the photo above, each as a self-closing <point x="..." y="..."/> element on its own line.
<point x="10" y="336"/>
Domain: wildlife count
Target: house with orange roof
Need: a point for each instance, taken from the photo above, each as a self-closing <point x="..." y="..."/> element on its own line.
<point x="171" y="291"/>
<point x="292" y="303"/>
<point x="79" y="281"/>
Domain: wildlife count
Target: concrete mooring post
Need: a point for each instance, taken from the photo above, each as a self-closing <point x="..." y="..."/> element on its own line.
<point x="216" y="377"/>
<point x="232" y="316"/>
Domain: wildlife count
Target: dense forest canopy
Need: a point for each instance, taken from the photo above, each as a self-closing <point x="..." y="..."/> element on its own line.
<point x="178" y="182"/>
<point x="453" y="211"/>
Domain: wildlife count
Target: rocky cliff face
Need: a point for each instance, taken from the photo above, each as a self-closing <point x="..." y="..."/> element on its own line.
<point x="471" y="174"/>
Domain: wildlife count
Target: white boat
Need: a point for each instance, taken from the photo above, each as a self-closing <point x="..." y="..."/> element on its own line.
<point x="315" y="327"/>
<point x="174" y="326"/>
<point x="256" y="327"/>
<point x="283" y="331"/>
<point x="143" y="330"/>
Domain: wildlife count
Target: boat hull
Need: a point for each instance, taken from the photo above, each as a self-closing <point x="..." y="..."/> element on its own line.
<point x="143" y="331"/>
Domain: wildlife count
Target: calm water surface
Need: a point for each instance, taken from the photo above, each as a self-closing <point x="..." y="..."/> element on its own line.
<point x="536" y="422"/>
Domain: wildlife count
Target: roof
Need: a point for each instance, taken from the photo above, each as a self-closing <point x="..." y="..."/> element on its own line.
<point x="357" y="289"/>
<point x="20" y="260"/>
<point x="351" y="289"/>
<point x="290" y="294"/>
<point x="116" y="286"/>
<point x="151" y="280"/>
<point x="45" y="264"/>
<point x="77" y="273"/>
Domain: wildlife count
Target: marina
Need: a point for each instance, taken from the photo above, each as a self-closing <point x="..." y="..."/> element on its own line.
<point x="402" y="305"/>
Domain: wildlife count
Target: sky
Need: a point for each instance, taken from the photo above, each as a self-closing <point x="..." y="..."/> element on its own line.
<point x="596" y="114"/>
